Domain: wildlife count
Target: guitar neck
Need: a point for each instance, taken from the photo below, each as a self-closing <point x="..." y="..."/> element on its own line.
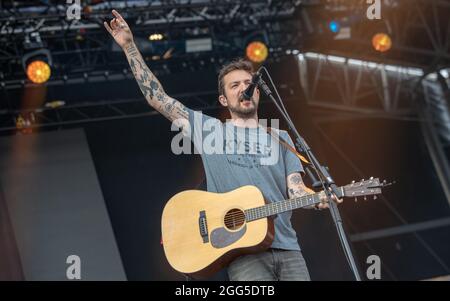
<point x="281" y="206"/>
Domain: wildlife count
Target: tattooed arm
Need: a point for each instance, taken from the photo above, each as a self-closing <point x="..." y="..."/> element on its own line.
<point x="296" y="188"/>
<point x="148" y="83"/>
<point x="152" y="88"/>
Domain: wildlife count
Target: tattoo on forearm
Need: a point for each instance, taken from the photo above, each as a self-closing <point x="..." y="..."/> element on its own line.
<point x="160" y="96"/>
<point x="148" y="92"/>
<point x="299" y="188"/>
<point x="133" y="65"/>
<point x="131" y="50"/>
<point x="182" y="111"/>
<point x="296" y="179"/>
<point x="292" y="192"/>
<point x="296" y="192"/>
<point x="154" y="85"/>
<point x="152" y="89"/>
<point x="169" y="105"/>
<point x="145" y="79"/>
<point x="173" y="109"/>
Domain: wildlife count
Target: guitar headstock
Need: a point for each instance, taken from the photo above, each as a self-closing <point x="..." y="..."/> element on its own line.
<point x="364" y="188"/>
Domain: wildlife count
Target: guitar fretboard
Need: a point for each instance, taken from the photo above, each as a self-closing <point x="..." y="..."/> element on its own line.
<point x="281" y="206"/>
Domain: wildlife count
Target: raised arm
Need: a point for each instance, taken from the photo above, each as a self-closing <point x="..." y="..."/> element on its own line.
<point x="148" y="83"/>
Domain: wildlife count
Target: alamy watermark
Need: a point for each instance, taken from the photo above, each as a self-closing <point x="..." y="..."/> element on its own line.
<point x="211" y="136"/>
<point x="73" y="12"/>
<point x="73" y="271"/>
<point x="374" y="270"/>
<point x="374" y="10"/>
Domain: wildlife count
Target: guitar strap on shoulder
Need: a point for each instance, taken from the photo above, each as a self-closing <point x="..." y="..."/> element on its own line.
<point x="286" y="145"/>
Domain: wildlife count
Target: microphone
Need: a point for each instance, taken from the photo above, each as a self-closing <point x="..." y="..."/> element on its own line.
<point x="248" y="93"/>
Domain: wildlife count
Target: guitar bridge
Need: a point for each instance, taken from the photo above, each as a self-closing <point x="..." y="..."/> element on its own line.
<point x="203" y="227"/>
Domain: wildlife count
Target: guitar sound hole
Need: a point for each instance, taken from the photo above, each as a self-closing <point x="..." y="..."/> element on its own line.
<point x="234" y="219"/>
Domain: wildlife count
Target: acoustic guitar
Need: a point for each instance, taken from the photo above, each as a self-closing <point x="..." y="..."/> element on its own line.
<point x="203" y="231"/>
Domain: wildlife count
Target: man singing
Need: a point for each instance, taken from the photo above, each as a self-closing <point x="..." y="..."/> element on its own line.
<point x="227" y="171"/>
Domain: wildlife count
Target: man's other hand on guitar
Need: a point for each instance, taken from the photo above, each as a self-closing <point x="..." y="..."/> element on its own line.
<point x="324" y="201"/>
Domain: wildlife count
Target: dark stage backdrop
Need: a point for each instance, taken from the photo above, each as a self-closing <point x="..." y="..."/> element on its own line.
<point x="56" y="208"/>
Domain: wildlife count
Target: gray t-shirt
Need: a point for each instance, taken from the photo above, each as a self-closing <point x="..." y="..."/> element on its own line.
<point x="247" y="156"/>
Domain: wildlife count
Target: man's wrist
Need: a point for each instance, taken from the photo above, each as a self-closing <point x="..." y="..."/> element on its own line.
<point x="129" y="47"/>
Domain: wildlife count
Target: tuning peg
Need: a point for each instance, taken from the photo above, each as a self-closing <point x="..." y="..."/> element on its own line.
<point x="374" y="197"/>
<point x="356" y="200"/>
<point x="365" y="198"/>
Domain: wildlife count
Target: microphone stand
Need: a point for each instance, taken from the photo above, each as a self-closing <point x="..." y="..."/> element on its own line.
<point x="324" y="177"/>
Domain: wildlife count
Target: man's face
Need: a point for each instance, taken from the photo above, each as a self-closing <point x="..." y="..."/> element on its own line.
<point x="235" y="84"/>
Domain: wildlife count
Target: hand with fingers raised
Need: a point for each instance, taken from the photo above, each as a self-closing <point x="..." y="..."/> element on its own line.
<point x="119" y="30"/>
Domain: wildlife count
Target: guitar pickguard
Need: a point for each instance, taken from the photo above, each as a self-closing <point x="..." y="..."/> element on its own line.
<point x="221" y="237"/>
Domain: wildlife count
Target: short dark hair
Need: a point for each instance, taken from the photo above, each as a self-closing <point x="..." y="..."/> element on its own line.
<point x="236" y="64"/>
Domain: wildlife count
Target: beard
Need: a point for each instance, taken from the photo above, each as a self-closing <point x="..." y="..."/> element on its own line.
<point x="244" y="112"/>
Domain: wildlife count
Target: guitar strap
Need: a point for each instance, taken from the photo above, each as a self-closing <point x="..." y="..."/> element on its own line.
<point x="286" y="145"/>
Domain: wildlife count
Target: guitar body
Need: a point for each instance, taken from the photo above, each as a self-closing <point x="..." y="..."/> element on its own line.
<point x="202" y="231"/>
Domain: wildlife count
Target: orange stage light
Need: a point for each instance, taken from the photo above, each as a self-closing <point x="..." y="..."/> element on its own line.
<point x="257" y="52"/>
<point x="38" y="72"/>
<point x="381" y="42"/>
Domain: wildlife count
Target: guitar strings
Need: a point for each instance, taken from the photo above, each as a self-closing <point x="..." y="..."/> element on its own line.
<point x="234" y="215"/>
<point x="239" y="216"/>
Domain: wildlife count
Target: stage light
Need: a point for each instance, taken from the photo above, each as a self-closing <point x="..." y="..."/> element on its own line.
<point x="334" y="26"/>
<point x="257" y="52"/>
<point x="37" y="65"/>
<point x="24" y="122"/>
<point x="156" y="37"/>
<point x="55" y="104"/>
<point x="381" y="42"/>
<point x="38" y="72"/>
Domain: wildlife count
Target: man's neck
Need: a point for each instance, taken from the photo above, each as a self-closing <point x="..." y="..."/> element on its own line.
<point x="248" y="122"/>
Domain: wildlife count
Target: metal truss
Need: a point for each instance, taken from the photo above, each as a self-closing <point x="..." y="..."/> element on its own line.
<point x="420" y="30"/>
<point x="87" y="112"/>
<point x="79" y="112"/>
<point x="97" y="54"/>
<point x="370" y="84"/>
<point x="369" y="89"/>
<point x="433" y="108"/>
<point x="398" y="230"/>
<point x="24" y="17"/>
<point x="81" y="48"/>
<point x="364" y="88"/>
<point x="423" y="29"/>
